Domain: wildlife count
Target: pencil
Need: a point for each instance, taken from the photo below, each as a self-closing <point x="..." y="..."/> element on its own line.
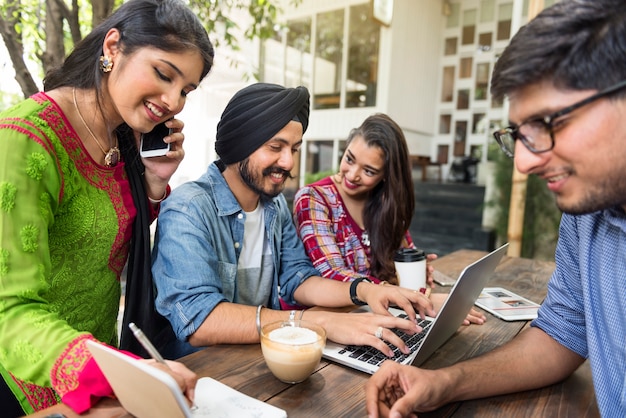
<point x="145" y="343"/>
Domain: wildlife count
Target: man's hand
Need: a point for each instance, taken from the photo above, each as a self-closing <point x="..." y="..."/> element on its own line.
<point x="397" y="390"/>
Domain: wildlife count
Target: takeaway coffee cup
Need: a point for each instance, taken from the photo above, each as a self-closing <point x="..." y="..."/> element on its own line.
<point x="411" y="268"/>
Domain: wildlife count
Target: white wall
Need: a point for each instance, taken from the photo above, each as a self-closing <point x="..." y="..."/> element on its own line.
<point x="230" y="73"/>
<point x="413" y="70"/>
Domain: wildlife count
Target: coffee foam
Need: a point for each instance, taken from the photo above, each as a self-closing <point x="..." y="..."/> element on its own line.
<point x="293" y="335"/>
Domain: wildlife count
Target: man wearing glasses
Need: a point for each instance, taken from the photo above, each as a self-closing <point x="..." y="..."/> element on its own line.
<point x="565" y="77"/>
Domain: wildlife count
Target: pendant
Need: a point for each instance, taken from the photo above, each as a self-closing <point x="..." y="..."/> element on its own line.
<point x="112" y="157"/>
<point x="365" y="238"/>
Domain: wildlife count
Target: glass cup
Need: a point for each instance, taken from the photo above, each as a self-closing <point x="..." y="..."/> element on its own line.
<point x="292" y="349"/>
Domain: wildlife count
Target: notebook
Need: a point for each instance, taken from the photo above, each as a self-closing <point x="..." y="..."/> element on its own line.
<point x="147" y="392"/>
<point x="507" y="305"/>
<point x="436" y="331"/>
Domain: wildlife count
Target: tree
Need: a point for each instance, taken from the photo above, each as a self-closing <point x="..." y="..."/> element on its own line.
<point x="44" y="31"/>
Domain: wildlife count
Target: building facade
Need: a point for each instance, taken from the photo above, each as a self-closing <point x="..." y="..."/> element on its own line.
<point x="426" y="63"/>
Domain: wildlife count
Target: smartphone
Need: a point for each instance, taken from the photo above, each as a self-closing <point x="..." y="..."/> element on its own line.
<point x="152" y="144"/>
<point x="443" y="279"/>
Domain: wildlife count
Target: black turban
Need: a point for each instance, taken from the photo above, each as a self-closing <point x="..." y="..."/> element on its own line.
<point x="254" y="115"/>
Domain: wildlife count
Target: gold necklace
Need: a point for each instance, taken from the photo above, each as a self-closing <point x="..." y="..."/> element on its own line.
<point x="111" y="157"/>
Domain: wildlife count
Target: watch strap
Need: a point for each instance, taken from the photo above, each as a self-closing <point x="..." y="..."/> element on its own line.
<point x="353" y="296"/>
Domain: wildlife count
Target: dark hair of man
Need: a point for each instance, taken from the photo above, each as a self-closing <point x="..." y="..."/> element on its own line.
<point x="575" y="44"/>
<point x="168" y="25"/>
<point x="389" y="208"/>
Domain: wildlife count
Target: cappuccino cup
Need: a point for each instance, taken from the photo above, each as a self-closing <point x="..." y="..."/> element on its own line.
<point x="292" y="349"/>
<point x="411" y="268"/>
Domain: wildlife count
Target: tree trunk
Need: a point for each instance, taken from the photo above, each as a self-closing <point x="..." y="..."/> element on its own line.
<point x="54" y="54"/>
<point x="13" y="43"/>
<point x="100" y="10"/>
<point x="518" y="188"/>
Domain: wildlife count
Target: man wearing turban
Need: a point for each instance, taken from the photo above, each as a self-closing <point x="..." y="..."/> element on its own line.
<point x="227" y="255"/>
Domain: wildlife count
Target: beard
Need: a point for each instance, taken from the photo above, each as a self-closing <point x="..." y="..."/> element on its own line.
<point x="608" y="194"/>
<point x="256" y="182"/>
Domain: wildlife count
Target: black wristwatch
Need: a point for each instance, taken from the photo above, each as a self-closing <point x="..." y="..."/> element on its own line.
<point x="353" y="295"/>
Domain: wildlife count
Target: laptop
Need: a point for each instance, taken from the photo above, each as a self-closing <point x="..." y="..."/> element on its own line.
<point x="436" y="331"/>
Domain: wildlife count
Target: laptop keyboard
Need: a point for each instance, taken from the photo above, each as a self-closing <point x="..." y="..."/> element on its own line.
<point x="373" y="356"/>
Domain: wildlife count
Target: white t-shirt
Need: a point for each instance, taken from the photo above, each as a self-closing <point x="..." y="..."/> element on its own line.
<point x="255" y="269"/>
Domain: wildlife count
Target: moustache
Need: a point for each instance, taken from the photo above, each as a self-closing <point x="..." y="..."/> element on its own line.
<point x="277" y="170"/>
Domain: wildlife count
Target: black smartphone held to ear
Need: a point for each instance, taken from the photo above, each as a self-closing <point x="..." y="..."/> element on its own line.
<point x="152" y="144"/>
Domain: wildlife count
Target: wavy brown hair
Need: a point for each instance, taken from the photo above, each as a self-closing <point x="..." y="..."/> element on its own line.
<point x="389" y="208"/>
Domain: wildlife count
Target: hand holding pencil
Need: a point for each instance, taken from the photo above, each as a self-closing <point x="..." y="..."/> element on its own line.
<point x="185" y="378"/>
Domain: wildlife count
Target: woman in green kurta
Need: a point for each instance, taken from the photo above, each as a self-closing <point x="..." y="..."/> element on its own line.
<point x="75" y="195"/>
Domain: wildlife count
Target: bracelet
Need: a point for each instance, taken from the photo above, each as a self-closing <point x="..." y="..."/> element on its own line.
<point x="292" y="316"/>
<point x="258" y="318"/>
<point x="157" y="201"/>
<point x="353" y="296"/>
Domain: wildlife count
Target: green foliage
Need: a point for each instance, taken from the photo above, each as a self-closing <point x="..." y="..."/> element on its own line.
<point x="541" y="215"/>
<point x="216" y="14"/>
<point x="313" y="177"/>
<point x="28" y="19"/>
<point x="27" y="15"/>
<point x="9" y="99"/>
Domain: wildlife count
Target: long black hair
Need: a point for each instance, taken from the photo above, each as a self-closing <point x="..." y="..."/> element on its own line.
<point x="167" y="25"/>
<point x="389" y="208"/>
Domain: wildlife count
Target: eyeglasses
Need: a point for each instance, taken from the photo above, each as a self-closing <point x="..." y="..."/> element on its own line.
<point x="537" y="134"/>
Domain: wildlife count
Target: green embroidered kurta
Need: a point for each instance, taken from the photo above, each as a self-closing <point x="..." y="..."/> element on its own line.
<point x="65" y="224"/>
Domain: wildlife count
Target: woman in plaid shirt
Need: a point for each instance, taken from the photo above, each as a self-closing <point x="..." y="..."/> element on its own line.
<point x="353" y="222"/>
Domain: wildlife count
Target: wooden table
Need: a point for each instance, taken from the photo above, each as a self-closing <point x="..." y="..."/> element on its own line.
<point x="336" y="391"/>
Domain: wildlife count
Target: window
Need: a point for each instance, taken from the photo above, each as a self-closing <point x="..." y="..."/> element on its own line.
<point x="342" y="71"/>
<point x="487" y="11"/>
<point x="444" y="124"/>
<point x="469" y="27"/>
<point x="362" y="58"/>
<point x="484" y="41"/>
<point x="328" y="60"/>
<point x="460" y="134"/>
<point x="442" y="154"/>
<point x="482" y="81"/>
<point x="450" y="46"/>
<point x="479" y="123"/>
<point x="298" y="54"/>
<point x="462" y="100"/>
<point x="319" y="156"/>
<point x="505" y="14"/>
<point x="493" y="149"/>
<point x="465" y="67"/>
<point x="476" y="151"/>
<point x="447" y="88"/>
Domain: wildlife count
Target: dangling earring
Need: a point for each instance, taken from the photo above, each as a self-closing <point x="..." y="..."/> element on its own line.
<point x="106" y="64"/>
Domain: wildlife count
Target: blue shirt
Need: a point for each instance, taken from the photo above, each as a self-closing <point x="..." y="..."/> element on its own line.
<point x="585" y="308"/>
<point x="197" y="246"/>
